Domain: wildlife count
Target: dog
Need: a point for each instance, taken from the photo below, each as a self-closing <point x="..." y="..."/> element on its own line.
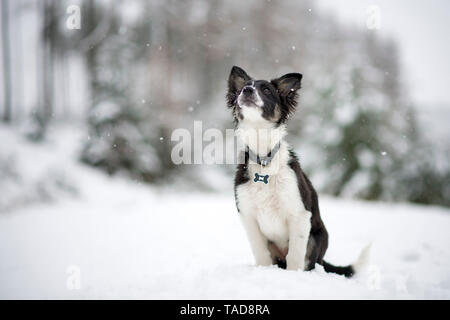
<point x="276" y="201"/>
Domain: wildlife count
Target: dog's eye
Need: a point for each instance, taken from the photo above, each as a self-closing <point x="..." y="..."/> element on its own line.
<point x="267" y="91"/>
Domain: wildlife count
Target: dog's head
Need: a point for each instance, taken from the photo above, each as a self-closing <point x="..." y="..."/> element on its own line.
<point x="260" y="100"/>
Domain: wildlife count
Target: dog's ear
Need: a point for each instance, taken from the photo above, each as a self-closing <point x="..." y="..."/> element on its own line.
<point x="288" y="83"/>
<point x="236" y="81"/>
<point x="287" y="87"/>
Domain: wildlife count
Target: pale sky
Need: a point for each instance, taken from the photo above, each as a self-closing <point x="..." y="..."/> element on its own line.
<point x="422" y="29"/>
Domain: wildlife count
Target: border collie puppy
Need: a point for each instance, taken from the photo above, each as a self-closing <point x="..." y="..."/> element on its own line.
<point x="277" y="203"/>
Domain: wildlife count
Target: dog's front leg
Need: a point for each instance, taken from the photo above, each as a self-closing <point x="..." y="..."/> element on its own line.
<point x="299" y="226"/>
<point x="258" y="242"/>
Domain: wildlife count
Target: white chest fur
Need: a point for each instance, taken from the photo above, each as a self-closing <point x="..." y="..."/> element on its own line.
<point x="271" y="204"/>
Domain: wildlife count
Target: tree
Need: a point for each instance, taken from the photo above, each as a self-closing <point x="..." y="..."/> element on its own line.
<point x="119" y="137"/>
<point x="7" y="89"/>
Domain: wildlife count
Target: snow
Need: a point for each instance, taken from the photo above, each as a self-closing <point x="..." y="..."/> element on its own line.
<point x="129" y="240"/>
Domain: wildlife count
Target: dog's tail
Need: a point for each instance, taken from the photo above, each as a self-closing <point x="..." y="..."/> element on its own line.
<point x="350" y="270"/>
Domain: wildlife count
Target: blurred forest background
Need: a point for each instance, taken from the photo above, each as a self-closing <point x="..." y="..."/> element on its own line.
<point x="136" y="70"/>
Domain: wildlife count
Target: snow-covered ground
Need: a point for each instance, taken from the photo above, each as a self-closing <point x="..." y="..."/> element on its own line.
<point x="119" y="239"/>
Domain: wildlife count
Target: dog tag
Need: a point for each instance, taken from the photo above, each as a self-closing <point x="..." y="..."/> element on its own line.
<point x="261" y="178"/>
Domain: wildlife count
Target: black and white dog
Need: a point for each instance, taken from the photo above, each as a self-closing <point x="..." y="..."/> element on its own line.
<point x="276" y="201"/>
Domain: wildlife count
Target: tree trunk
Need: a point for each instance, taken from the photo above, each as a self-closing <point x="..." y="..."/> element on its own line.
<point x="6" y="61"/>
<point x="49" y="39"/>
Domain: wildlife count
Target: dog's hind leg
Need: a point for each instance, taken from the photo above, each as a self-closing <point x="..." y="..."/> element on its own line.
<point x="317" y="246"/>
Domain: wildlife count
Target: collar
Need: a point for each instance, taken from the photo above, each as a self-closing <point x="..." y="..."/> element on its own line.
<point x="263" y="161"/>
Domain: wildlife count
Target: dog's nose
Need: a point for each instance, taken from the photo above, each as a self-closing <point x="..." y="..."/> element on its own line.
<point x="247" y="90"/>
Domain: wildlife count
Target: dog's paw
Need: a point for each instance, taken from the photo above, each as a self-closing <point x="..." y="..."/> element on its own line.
<point x="264" y="261"/>
<point x="294" y="263"/>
